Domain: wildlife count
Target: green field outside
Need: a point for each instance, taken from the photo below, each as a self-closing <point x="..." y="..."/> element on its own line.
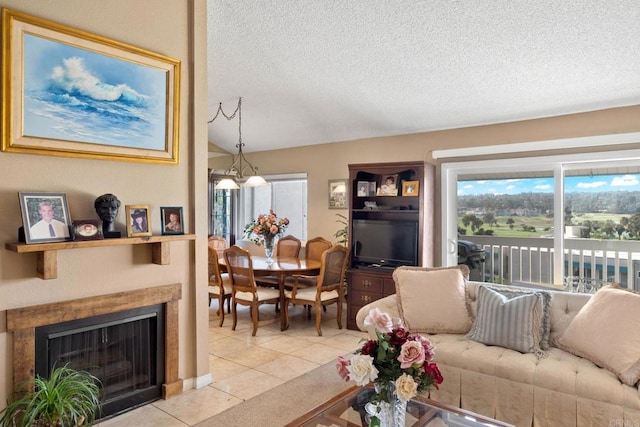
<point x="542" y="223"/>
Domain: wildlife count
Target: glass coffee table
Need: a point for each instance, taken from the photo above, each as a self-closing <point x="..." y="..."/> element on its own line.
<point x="347" y="410"/>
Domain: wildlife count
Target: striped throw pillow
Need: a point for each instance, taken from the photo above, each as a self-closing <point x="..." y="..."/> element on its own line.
<point x="510" y="321"/>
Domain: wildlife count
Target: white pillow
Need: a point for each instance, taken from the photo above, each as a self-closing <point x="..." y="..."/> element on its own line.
<point x="432" y="300"/>
<point x="606" y="331"/>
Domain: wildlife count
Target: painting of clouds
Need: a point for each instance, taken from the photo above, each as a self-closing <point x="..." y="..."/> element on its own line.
<point x="73" y="94"/>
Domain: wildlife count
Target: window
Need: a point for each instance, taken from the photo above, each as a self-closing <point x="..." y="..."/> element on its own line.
<point x="231" y="210"/>
<point x="510" y="208"/>
<point x="286" y="195"/>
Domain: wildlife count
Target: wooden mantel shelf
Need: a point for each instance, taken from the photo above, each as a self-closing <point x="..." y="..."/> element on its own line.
<point x="47" y="263"/>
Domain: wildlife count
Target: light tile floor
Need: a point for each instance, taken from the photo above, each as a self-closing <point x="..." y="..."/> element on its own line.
<point x="243" y="366"/>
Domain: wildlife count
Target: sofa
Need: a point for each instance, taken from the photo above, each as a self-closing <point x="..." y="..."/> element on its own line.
<point x="545" y="384"/>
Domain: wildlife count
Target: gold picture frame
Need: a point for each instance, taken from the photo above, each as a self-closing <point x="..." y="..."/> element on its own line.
<point x="410" y="188"/>
<point x="138" y="220"/>
<point x="70" y="93"/>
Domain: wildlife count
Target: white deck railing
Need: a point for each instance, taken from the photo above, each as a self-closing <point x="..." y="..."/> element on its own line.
<point x="589" y="263"/>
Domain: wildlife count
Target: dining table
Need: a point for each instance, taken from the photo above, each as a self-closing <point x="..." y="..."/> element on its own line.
<point x="281" y="268"/>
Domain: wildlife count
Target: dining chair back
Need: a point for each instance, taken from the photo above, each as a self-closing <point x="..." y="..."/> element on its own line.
<point x="219" y="284"/>
<point x="329" y="287"/>
<point x="243" y="286"/>
<point x="288" y="247"/>
<point x="218" y="243"/>
<point x="316" y="247"/>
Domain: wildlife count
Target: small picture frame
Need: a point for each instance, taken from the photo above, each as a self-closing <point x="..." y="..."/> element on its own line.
<point x="410" y="188"/>
<point x="172" y="220"/>
<point x="388" y="185"/>
<point x="87" y="229"/>
<point x="338" y="195"/>
<point x="362" y="189"/>
<point x="372" y="189"/>
<point x="45" y="217"/>
<point x="138" y="220"/>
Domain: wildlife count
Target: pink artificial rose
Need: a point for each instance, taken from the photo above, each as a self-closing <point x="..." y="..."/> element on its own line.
<point x="342" y="366"/>
<point x="411" y="353"/>
<point x="427" y="345"/>
<point x="379" y="319"/>
<point x="274" y="229"/>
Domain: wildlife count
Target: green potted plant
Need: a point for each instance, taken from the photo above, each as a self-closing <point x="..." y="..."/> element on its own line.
<point x="67" y="398"/>
<point x="343" y="233"/>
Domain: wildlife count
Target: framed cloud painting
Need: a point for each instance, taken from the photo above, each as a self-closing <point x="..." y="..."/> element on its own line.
<point x="67" y="92"/>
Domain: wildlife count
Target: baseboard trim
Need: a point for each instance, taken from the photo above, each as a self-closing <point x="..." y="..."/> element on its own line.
<point x="203" y="381"/>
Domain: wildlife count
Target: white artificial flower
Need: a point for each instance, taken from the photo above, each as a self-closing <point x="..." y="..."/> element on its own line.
<point x="361" y="369"/>
<point x="406" y="387"/>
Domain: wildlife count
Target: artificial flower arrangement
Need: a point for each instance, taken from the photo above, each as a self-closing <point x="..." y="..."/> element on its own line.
<point x="265" y="228"/>
<point x="395" y="356"/>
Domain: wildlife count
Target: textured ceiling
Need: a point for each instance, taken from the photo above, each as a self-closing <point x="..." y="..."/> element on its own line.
<point x="317" y="71"/>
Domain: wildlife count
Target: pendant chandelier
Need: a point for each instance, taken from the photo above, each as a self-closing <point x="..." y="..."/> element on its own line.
<point x="236" y="171"/>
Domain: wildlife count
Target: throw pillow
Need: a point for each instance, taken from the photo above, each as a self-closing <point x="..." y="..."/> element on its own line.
<point x="545" y="327"/>
<point x="606" y="331"/>
<point x="512" y="322"/>
<point x="432" y="300"/>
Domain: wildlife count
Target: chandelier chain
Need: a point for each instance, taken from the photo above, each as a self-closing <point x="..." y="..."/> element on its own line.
<point x="237" y="111"/>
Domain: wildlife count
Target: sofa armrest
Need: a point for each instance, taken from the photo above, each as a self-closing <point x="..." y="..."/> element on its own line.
<point x="387" y="304"/>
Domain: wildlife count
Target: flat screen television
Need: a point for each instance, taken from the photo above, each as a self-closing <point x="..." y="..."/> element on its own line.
<point x="384" y="243"/>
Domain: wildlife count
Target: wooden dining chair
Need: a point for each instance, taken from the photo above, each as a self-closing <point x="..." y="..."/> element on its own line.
<point x="329" y="287"/>
<point x="219" y="284"/>
<point x="313" y="251"/>
<point x="218" y="243"/>
<point x="244" y="290"/>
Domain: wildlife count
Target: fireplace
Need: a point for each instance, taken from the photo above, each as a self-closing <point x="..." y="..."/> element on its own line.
<point x="129" y="340"/>
<point x="123" y="350"/>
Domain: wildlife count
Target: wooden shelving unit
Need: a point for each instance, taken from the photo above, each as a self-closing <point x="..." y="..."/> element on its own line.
<point x="47" y="261"/>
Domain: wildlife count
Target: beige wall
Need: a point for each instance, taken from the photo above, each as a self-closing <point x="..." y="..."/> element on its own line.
<point x="330" y="161"/>
<point x="176" y="29"/>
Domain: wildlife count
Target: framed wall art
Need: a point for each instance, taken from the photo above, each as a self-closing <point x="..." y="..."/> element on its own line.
<point x="67" y="92"/>
<point x="87" y="229"/>
<point x="411" y="188"/>
<point x="172" y="220"/>
<point x="138" y="220"/>
<point x="338" y="193"/>
<point x="45" y="217"/>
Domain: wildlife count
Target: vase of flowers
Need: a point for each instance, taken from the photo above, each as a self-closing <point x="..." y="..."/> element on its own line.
<point x="265" y="230"/>
<point x="400" y="365"/>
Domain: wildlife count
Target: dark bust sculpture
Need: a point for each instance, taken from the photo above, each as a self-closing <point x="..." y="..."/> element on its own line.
<point x="107" y="207"/>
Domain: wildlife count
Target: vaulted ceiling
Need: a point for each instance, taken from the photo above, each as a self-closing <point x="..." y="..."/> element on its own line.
<point x="317" y="71"/>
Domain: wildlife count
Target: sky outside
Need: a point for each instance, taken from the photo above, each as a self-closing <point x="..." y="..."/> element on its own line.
<point x="574" y="184"/>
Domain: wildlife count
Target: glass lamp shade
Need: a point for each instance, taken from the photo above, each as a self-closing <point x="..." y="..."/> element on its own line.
<point x="255" y="181"/>
<point x="227" y="184"/>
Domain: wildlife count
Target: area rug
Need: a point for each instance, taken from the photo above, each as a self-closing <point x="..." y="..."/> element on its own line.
<point x="285" y="403"/>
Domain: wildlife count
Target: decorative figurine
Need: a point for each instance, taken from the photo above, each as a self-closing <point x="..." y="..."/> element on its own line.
<point x="107" y="207"/>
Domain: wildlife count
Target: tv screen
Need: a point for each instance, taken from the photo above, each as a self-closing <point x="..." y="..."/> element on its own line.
<point x="383" y="243"/>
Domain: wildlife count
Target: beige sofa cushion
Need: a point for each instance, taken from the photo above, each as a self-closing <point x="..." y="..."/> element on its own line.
<point x="432" y="300"/>
<point x="605" y="333"/>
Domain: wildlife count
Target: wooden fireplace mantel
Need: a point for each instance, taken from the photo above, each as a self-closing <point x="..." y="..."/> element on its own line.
<point x="47" y="261"/>
<point x="23" y="321"/>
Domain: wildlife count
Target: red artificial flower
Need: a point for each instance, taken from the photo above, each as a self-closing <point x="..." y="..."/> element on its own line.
<point x="432" y="370"/>
<point x="369" y="348"/>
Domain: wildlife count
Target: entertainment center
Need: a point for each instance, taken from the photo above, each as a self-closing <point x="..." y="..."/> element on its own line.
<point x="390" y="224"/>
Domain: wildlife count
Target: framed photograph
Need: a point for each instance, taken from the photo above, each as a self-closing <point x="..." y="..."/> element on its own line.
<point x="338" y="193"/>
<point x="87" y="229"/>
<point x="172" y="220"/>
<point x="45" y="217"/>
<point x="372" y="189"/>
<point x="70" y="93"/>
<point x="388" y="185"/>
<point x="411" y="188"/>
<point x="138" y="220"/>
<point x="363" y="189"/>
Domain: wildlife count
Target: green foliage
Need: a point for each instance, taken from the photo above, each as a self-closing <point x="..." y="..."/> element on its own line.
<point x="67" y="398"/>
<point x="343" y="233"/>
